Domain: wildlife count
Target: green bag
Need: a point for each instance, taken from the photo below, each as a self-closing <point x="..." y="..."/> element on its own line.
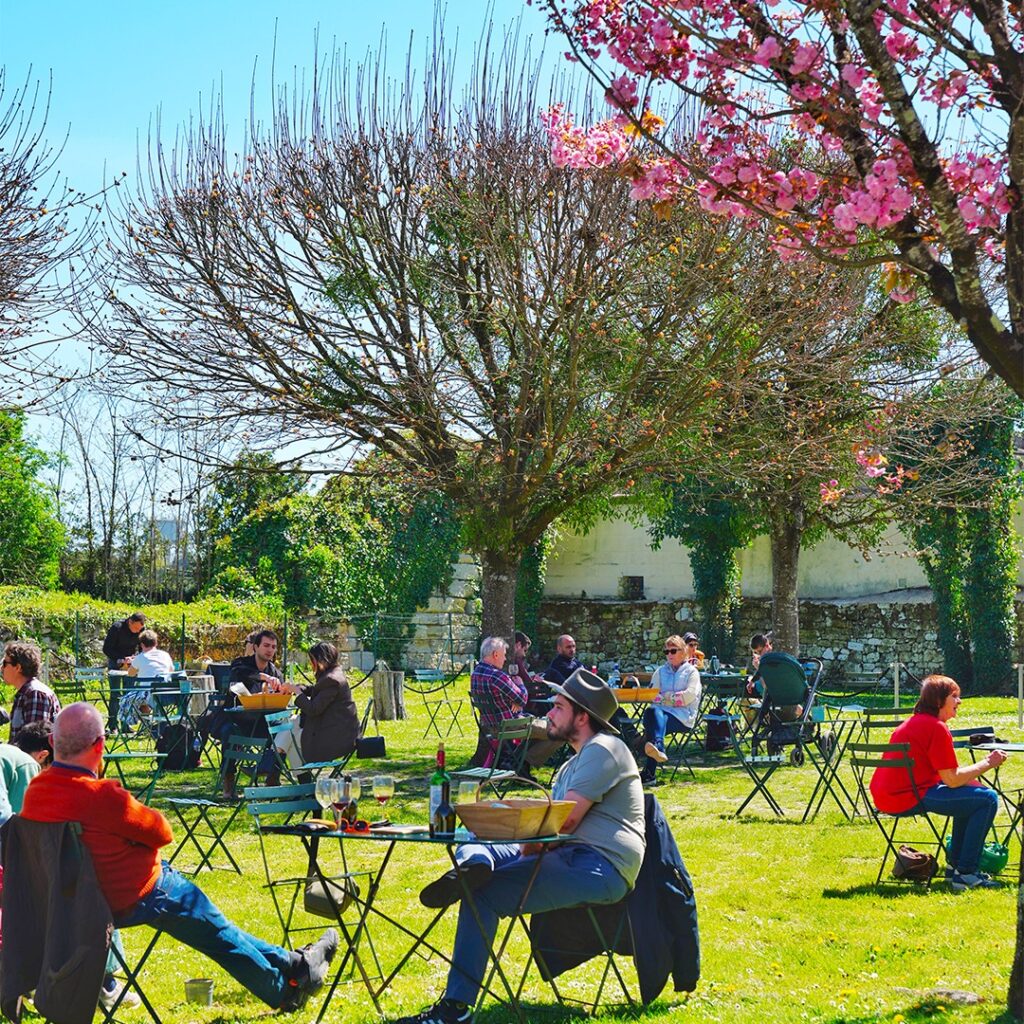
<point x="993" y="857"/>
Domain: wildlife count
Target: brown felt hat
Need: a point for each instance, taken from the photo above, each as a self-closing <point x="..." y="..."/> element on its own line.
<point x="590" y="692"/>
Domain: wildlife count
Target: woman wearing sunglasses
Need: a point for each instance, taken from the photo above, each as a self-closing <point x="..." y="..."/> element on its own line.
<point x="675" y="705"/>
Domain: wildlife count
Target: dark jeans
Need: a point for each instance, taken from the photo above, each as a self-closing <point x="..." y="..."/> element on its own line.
<point x="973" y="809"/>
<point x="181" y="909"/>
<point x="569" y="876"/>
<point x="658" y="722"/>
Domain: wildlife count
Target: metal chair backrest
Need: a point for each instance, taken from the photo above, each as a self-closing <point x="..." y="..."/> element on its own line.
<point x="884" y="718"/>
<point x="268" y="802"/>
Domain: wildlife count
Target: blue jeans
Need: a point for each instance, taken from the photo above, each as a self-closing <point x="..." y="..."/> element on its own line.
<point x="973" y="809"/>
<point x="658" y="722"/>
<point x="181" y="909"/>
<point x="568" y="876"/>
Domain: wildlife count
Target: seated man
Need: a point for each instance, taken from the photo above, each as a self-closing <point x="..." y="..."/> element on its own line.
<point x="497" y="696"/>
<point x="598" y="863"/>
<point x="565" y="662"/>
<point x="34" y="701"/>
<point x="150" y="662"/>
<point x="124" y="838"/>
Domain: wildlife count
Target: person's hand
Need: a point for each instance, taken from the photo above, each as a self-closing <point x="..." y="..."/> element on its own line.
<point x="996" y="758"/>
<point x="525" y="849"/>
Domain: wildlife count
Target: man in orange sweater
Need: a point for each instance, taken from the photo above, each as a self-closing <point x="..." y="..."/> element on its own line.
<point x="124" y="838"/>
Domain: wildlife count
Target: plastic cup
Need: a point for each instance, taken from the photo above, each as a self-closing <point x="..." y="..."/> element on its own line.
<point x="199" y="991"/>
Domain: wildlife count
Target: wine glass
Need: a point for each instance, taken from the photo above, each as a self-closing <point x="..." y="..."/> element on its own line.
<point x="355" y="787"/>
<point x="338" y="798"/>
<point x="383" y="790"/>
<point x="324" y="794"/>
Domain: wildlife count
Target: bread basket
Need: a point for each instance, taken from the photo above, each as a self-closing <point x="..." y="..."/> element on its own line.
<point x="515" y="818"/>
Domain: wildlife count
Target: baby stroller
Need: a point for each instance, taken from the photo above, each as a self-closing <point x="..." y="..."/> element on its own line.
<point x="788" y="716"/>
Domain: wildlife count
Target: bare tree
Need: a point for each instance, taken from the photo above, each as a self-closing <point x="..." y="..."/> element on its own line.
<point x="382" y="269"/>
<point x="44" y="226"/>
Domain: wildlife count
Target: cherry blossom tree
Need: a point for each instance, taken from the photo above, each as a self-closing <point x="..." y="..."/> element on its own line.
<point x="846" y="124"/>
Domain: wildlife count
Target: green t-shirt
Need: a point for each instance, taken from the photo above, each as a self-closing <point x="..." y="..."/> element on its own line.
<point x="17" y="770"/>
<point x="604" y="772"/>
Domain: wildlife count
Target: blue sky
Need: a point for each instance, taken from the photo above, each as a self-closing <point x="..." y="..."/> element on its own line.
<point x="115" y="65"/>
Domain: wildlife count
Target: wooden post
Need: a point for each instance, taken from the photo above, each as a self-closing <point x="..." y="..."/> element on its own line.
<point x="896" y="683"/>
<point x="398" y="693"/>
<point x="383" y="693"/>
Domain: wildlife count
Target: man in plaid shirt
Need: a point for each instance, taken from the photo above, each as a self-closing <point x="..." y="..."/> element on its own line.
<point x="33" y="701"/>
<point x="495" y="694"/>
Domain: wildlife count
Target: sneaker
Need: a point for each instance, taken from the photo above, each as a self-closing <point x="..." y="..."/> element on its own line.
<point x="447" y="1011"/>
<point x="648" y="779"/>
<point x="311" y="970"/>
<point x="655" y="753"/>
<point x="978" y="880"/>
<point x="447" y="889"/>
<point x="108" y="996"/>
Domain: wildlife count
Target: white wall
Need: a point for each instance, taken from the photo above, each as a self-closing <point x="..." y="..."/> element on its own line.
<point x="593" y="564"/>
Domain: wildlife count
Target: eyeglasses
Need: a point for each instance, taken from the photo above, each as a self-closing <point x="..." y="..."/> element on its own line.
<point x="671" y="650"/>
<point x="692" y="643"/>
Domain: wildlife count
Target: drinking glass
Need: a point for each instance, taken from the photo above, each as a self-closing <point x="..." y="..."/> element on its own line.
<point x="324" y="792"/>
<point x="338" y="798"/>
<point x="355" y="787"/>
<point x="469" y="792"/>
<point x="383" y="790"/>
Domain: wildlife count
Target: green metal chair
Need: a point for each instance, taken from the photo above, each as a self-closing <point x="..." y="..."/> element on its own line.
<point x="869" y="756"/>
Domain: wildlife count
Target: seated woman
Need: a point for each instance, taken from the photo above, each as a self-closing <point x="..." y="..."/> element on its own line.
<point x="675" y="706"/>
<point x="939" y="785"/>
<point x="328" y="724"/>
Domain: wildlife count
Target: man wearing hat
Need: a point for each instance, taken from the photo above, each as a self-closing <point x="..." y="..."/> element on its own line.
<point x="597" y="863"/>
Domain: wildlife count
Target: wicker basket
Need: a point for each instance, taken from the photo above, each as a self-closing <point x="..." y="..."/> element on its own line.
<point x="515" y="818"/>
<point x="265" y="701"/>
<point x="636" y="694"/>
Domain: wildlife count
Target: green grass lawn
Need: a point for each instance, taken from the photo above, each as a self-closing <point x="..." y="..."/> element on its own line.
<point x="792" y="928"/>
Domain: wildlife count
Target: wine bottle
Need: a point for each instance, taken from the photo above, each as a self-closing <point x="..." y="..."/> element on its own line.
<point x="440" y="782"/>
<point x="351" y="809"/>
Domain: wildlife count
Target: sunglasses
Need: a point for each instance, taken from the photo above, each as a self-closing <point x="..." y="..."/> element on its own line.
<point x="353" y="826"/>
<point x="672" y="650"/>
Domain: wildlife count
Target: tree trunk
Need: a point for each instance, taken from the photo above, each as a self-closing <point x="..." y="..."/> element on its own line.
<point x="786" y="533"/>
<point x="1015" y="996"/>
<point x="498" y="590"/>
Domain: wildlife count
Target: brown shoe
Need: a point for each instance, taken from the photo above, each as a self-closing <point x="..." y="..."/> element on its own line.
<point x="655" y="753"/>
<point x="228" y="786"/>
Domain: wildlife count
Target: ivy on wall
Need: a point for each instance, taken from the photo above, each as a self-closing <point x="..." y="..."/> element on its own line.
<point x="969" y="553"/>
<point x="714" y="530"/>
<point x="530" y="585"/>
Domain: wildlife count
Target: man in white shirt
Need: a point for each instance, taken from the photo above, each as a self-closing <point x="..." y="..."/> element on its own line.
<point x="150" y="662"/>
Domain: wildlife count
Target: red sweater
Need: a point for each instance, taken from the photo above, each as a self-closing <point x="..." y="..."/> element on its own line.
<point x="122" y="835"/>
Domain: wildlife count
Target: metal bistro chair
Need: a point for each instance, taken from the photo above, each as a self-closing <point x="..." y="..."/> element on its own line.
<point x="864" y="756"/>
<point x="432" y="685"/>
<point x="509" y="743"/>
<point x="50" y="885"/>
<point x="326" y="897"/>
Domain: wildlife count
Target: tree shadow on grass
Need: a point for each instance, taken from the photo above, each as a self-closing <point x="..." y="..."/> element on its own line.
<point x="929" y="1008"/>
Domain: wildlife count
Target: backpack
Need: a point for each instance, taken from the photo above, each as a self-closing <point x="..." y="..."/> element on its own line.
<point x="181" y="746"/>
<point x="717" y="736"/>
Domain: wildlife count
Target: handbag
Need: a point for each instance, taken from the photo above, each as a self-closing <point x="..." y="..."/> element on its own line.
<point x="914" y="866"/>
<point x="371" y="746"/>
<point x="315" y="899"/>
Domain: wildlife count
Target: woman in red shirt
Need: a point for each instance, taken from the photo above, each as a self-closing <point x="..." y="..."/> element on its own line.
<point x="939" y="785"/>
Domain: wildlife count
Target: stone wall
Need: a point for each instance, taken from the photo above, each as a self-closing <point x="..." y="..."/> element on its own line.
<point x="851" y="637"/>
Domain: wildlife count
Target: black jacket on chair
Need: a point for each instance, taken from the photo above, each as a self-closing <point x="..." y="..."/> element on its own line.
<point x="660" y="931"/>
<point x="57" y="923"/>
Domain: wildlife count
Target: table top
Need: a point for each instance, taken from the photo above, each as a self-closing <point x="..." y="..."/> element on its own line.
<point x="1010" y="748"/>
<point x="402" y="837"/>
